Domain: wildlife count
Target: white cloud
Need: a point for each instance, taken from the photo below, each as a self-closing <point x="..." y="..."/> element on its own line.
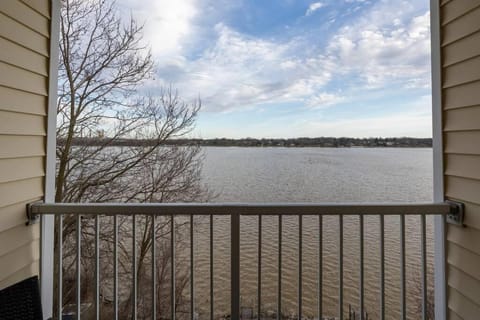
<point x="314" y="7"/>
<point x="413" y="123"/>
<point x="385" y="50"/>
<point x="388" y="45"/>
<point x="166" y="23"/>
<point x="240" y="71"/>
<point x="400" y="124"/>
<point x="324" y="99"/>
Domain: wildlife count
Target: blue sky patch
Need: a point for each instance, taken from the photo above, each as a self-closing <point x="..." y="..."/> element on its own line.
<point x="291" y="68"/>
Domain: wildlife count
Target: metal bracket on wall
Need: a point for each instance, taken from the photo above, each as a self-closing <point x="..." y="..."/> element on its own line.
<point x="32" y="216"/>
<point x="456" y="215"/>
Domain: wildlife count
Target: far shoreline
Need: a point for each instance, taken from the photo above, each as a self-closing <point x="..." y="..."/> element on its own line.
<point x="302" y="142"/>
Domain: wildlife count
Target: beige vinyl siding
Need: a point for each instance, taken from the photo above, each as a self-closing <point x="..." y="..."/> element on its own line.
<point x="15" y="100"/>
<point x="16" y="191"/>
<point x="24" y="80"/>
<point x="467" y="309"/>
<point x="32" y="167"/>
<point x="19" y="11"/>
<point x="42" y="7"/>
<point x="453" y="316"/>
<point x="15" y="238"/>
<point x="13" y="215"/>
<point x="24" y="65"/>
<point x="14" y="123"/>
<point x="462" y="119"/>
<point x="20" y="258"/>
<point x="465" y="189"/>
<point x="456" y="9"/>
<point x="461" y="73"/>
<point x="460" y="51"/>
<point x="21" y="146"/>
<point x="21" y="274"/>
<point x="22" y="57"/>
<point x="463" y="142"/>
<point x="16" y="32"/>
<point x="460" y="28"/>
<point x="461" y="96"/>
<point x="465" y="283"/>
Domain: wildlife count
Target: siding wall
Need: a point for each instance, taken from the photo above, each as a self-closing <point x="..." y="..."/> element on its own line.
<point x="24" y="65"/>
<point x="460" y="51"/>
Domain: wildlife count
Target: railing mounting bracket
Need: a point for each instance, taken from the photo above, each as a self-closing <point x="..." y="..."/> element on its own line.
<point x="456" y="214"/>
<point x="32" y="215"/>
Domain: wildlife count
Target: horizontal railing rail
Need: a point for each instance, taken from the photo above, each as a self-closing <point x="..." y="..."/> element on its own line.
<point x="242" y="208"/>
<point x="152" y="211"/>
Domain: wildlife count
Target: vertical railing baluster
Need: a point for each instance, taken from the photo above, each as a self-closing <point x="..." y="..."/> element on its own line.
<point x="300" y="240"/>
<point x="154" y="268"/>
<point x="362" y="256"/>
<point x="60" y="267"/>
<point x="79" y="265"/>
<point x="134" y="267"/>
<point x="340" y="266"/>
<point x="279" y="285"/>
<point x="235" y="266"/>
<point x="424" y="266"/>
<point x="97" y="267"/>
<point x="320" y="266"/>
<point x="382" y="267"/>
<point x="192" y="264"/>
<point x="402" y="268"/>
<point x="259" y="269"/>
<point x="172" y="267"/>
<point x="115" y="266"/>
<point x="211" y="268"/>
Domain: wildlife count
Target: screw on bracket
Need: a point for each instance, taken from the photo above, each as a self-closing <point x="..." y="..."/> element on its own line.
<point x="456" y="214"/>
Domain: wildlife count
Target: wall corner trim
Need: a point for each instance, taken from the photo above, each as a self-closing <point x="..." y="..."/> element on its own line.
<point x="48" y="221"/>
<point x="438" y="182"/>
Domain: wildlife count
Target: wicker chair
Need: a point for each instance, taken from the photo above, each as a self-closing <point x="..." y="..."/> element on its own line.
<point x="21" y="301"/>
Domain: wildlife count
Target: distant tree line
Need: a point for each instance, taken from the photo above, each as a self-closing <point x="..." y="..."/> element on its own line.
<point x="325" y="142"/>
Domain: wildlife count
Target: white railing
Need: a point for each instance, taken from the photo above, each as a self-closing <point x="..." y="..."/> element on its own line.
<point x="76" y="213"/>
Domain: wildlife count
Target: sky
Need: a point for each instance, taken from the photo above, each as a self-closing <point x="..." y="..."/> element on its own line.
<point x="294" y="68"/>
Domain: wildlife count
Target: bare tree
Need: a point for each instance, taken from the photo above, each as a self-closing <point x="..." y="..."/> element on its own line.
<point x="104" y="66"/>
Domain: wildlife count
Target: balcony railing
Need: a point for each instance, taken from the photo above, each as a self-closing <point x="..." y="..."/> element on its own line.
<point x="80" y="227"/>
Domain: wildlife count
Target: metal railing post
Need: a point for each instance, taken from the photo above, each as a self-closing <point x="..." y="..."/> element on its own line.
<point x="60" y="267"/>
<point x="259" y="269"/>
<point x="115" y="268"/>
<point x="97" y="268"/>
<point x="192" y="272"/>
<point x="78" y="264"/>
<point x="235" y="266"/>
<point x="212" y="306"/>
<point x="154" y="267"/>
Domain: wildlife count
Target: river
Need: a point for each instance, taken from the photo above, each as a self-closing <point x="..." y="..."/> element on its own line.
<point x="237" y="174"/>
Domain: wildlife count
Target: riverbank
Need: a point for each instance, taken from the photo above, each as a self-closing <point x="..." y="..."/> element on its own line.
<point x="321" y="142"/>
